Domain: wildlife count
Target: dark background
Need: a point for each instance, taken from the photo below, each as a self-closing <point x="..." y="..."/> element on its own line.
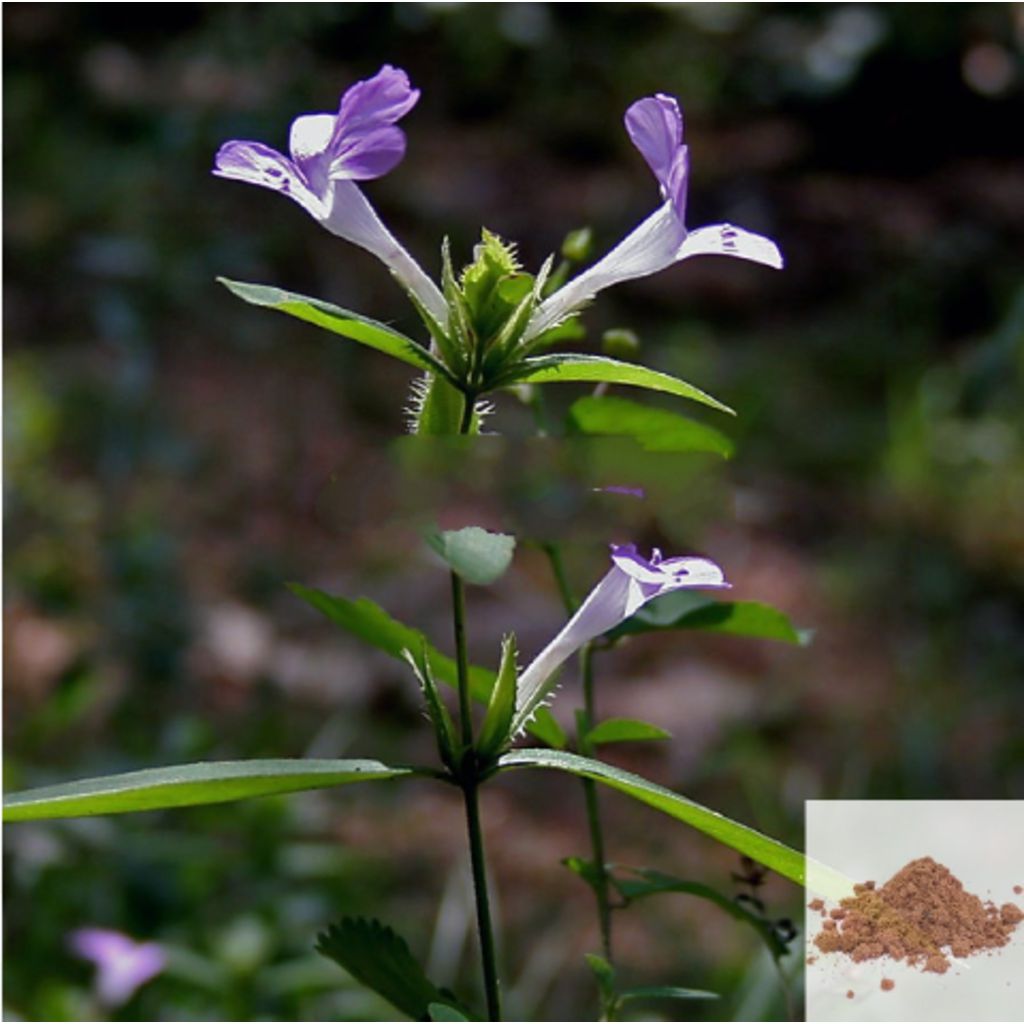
<point x="173" y="457"/>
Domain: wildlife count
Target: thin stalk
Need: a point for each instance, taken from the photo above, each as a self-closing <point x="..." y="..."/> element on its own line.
<point x="469" y="782"/>
<point x="601" y="881"/>
<point x="468" y="406"/>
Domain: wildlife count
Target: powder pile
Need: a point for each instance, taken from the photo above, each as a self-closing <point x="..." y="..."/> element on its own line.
<point x="921" y="915"/>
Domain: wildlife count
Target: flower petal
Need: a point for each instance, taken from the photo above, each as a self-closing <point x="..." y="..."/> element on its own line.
<point x="369" y="154"/>
<point x="655" y="125"/>
<point x="631" y="582"/>
<point x="651" y="247"/>
<point x="258" y="164"/>
<point x="380" y="100"/>
<point x="727" y="240"/>
<point x="353" y="218"/>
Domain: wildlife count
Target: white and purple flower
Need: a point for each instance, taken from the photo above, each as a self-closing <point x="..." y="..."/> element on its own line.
<point x="329" y="153"/>
<point x="631" y="582"/>
<point x="123" y="965"/>
<point x="655" y="126"/>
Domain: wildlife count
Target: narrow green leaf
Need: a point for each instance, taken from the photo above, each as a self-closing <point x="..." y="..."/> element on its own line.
<point x="448" y="745"/>
<point x="380" y="959"/>
<point x="369" y="622"/>
<point x="185" y="785"/>
<point x="775" y="855"/>
<point x="494" y="733"/>
<point x="476" y="554"/>
<point x="622" y="730"/>
<point x="655" y="430"/>
<point x="596" y="369"/>
<point x="436" y="408"/>
<point x="442" y="1011"/>
<point x="665" y="992"/>
<point x="339" y="321"/>
<point x="685" y="609"/>
<point x="603" y="971"/>
<point x="652" y="883"/>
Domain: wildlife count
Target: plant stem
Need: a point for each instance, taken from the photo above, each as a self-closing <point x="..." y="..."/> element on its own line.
<point x="554" y="554"/>
<point x="469" y="781"/>
<point x="601" y="881"/>
<point x="468" y="407"/>
<point x="470" y="791"/>
<point x="462" y="660"/>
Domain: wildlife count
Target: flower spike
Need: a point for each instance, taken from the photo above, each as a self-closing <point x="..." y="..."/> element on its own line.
<point x="655" y="126"/>
<point x="631" y="582"/>
<point x="329" y="153"/>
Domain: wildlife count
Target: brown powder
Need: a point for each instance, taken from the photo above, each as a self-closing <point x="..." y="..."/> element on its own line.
<point x="1018" y="890"/>
<point x="818" y="905"/>
<point x="888" y="984"/>
<point x="919" y="913"/>
<point x="849" y="993"/>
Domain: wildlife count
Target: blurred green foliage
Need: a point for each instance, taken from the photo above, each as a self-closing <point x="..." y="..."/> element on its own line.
<point x="172" y="458"/>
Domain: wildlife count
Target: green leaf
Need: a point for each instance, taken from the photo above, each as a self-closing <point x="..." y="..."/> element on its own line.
<point x="621" y="730"/>
<point x="652" y="883"/>
<point x="369" y="622"/>
<point x="596" y="369"/>
<point x="494" y="733"/>
<point x="339" y="321"/>
<point x="655" y="430"/>
<point x="665" y="992"/>
<point x="442" y="1011"/>
<point x="586" y="870"/>
<point x="380" y="959"/>
<point x="448" y="745"/>
<point x="476" y="554"/>
<point x="685" y="609"/>
<point x="185" y="785"/>
<point x="775" y="855"/>
<point x="604" y="972"/>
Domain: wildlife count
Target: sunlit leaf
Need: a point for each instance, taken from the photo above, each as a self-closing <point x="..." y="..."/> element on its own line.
<point x="665" y="992"/>
<point x="339" y="321"/>
<point x="567" y="368"/>
<point x="655" y="430"/>
<point x="685" y="609"/>
<point x="476" y="554"/>
<point x="184" y="785"/>
<point x="770" y="852"/>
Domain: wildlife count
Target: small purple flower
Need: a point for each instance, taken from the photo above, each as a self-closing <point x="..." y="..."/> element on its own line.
<point x="123" y="965"/>
<point x="631" y="582"/>
<point x="329" y="153"/>
<point x="655" y="126"/>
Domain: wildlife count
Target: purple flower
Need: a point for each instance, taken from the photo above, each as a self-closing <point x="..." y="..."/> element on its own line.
<point x="123" y="965"/>
<point x="631" y="582"/>
<point x="329" y="153"/>
<point x="655" y="126"/>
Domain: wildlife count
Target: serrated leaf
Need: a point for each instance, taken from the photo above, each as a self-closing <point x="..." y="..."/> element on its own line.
<point x="448" y="745"/>
<point x="566" y="368"/>
<point x="665" y="992"/>
<point x="494" y="732"/>
<point x="655" y="430"/>
<point x="652" y="883"/>
<point x="767" y="851"/>
<point x="368" y="621"/>
<point x="688" y="610"/>
<point x="377" y="957"/>
<point x="476" y="554"/>
<point x="339" y="321"/>
<point x="622" y="730"/>
<point x="187" y="785"/>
